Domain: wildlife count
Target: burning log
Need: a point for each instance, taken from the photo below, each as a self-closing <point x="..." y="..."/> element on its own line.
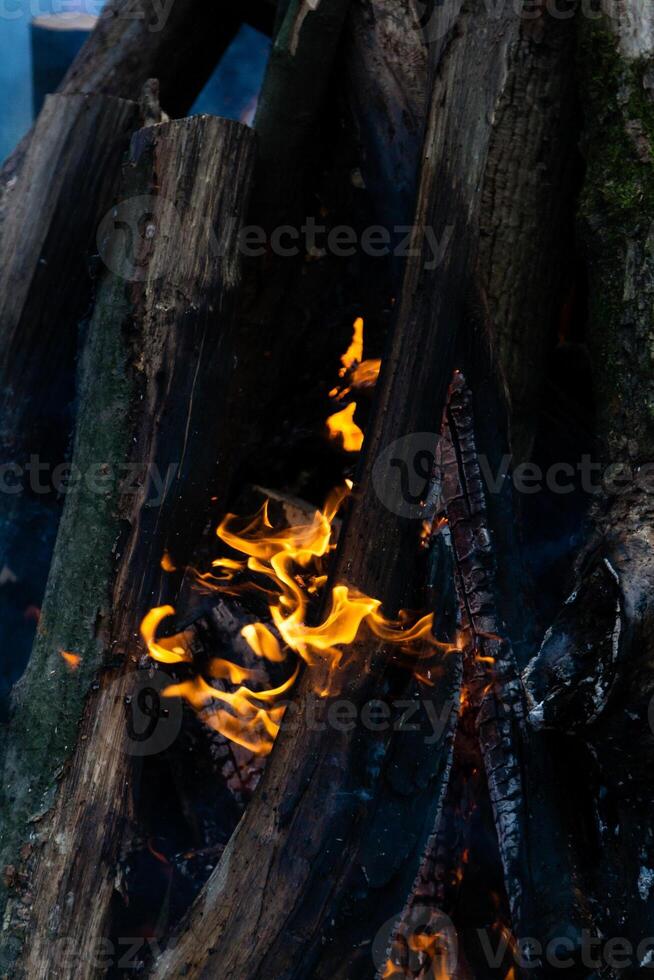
<point x="151" y="369"/>
<point x="313" y="779"/>
<point x="68" y="183"/>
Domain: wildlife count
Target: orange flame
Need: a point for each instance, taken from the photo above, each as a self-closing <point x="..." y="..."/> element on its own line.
<point x="360" y="374"/>
<point x="171" y="650"/>
<point x="292" y="558"/>
<point x="72" y="659"/>
<point x="341" y="426"/>
<point x="251" y="726"/>
<point x="354" y="354"/>
<point x="365" y="375"/>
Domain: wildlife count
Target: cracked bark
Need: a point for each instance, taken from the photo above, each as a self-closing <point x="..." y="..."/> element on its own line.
<point x="592" y="677"/>
<point x="150" y="370"/>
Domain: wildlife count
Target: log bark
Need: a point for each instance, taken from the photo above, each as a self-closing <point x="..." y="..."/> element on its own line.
<point x="386" y="64"/>
<point x="151" y="368"/>
<point x="179" y="42"/>
<point x="526" y="258"/>
<point x="68" y="182"/>
<point x="592" y="678"/>
<point x="318" y="924"/>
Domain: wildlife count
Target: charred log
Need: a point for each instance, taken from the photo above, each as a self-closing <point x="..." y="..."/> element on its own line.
<point x="311" y="778"/>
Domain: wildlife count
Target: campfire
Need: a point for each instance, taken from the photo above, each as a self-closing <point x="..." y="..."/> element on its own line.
<point x="326" y="522"/>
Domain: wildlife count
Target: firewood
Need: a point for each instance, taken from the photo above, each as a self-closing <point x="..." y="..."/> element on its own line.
<point x="310" y="778"/>
<point x="386" y="62"/>
<point x="179" y="43"/>
<point x="148" y="389"/>
<point x="68" y="182"/>
<point x="592" y="678"/>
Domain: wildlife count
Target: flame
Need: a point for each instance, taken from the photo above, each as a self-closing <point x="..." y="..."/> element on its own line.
<point x="72" y="659"/>
<point x="251" y="726"/>
<point x="167" y="563"/>
<point x="341" y="426"/>
<point x="354" y="354"/>
<point x="356" y="373"/>
<point x="171" y="650"/>
<point x="292" y="559"/>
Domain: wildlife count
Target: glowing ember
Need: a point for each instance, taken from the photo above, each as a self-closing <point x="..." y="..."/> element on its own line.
<point x="72" y="659"/>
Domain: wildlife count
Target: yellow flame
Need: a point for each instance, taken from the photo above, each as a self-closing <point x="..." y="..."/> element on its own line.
<point x="172" y="649"/>
<point x="342" y="427"/>
<point x="354" y="354"/>
<point x="251" y="726"/>
<point x="292" y="559"/>
<point x="72" y="659"/>
<point x="262" y="642"/>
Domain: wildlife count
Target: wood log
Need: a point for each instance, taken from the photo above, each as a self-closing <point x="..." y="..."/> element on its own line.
<point x="68" y="182"/>
<point x="286" y="124"/>
<point x="386" y="64"/>
<point x="527" y="213"/>
<point x="592" y="678"/>
<point x="319" y="923"/>
<point x="150" y="375"/>
<point x="179" y="42"/>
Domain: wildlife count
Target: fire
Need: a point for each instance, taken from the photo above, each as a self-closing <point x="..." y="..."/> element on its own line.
<point x="354" y="354"/>
<point x="293" y="561"/>
<point x="341" y="426"/>
<point x="72" y="659"/>
<point x="167" y="563"/>
<point x="251" y="726"/>
<point x="356" y="373"/>
<point x="171" y="650"/>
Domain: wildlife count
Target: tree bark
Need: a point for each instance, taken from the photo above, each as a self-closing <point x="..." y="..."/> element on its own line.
<point x="151" y="367"/>
<point x="592" y="678"/>
<point x="386" y="64"/>
<point x="305" y="916"/>
<point x="67" y="184"/>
